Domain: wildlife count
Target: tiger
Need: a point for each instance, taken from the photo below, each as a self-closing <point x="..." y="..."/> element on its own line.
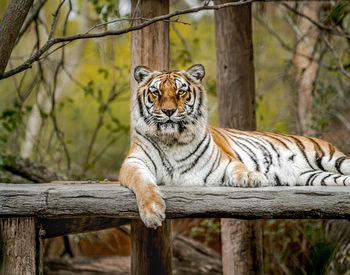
<point x="174" y="145"/>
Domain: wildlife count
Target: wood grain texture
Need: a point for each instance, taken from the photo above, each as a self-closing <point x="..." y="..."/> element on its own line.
<point x="241" y="239"/>
<point x="151" y="249"/>
<point x="51" y="228"/>
<point x="19" y="246"/>
<point x="64" y="200"/>
<point x="234" y="67"/>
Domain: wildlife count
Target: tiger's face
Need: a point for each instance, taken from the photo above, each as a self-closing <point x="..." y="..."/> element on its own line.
<point x="170" y="104"/>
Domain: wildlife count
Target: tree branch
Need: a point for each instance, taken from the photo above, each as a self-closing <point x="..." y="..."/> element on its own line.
<point x="336" y="56"/>
<point x="33" y="14"/>
<point x="30" y="170"/>
<point x="317" y="24"/>
<point x="50" y="42"/>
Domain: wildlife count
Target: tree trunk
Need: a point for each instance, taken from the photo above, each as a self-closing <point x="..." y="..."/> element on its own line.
<point x="305" y="69"/>
<point x="20" y="250"/>
<point x="241" y="239"/>
<point x="150" y="249"/>
<point x="10" y="27"/>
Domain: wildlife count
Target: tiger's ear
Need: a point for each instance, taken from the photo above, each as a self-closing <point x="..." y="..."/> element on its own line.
<point x="197" y="71"/>
<point x="141" y="72"/>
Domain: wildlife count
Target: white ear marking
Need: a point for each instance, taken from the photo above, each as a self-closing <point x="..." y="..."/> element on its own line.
<point x="197" y="71"/>
<point x="141" y="72"/>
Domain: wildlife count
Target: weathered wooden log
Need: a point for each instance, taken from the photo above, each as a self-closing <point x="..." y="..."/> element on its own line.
<point x="51" y="228"/>
<point x="20" y="247"/>
<point x="190" y="258"/>
<point x="108" y="200"/>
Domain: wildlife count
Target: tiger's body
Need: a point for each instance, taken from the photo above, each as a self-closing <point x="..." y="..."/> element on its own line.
<point x="173" y="145"/>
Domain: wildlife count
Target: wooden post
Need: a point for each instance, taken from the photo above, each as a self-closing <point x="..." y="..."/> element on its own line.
<point x="151" y="251"/>
<point x="241" y="239"/>
<point x="21" y="247"/>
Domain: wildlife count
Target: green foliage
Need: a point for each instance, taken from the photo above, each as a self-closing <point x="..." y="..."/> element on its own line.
<point x="337" y="13"/>
<point x="106" y="8"/>
<point x="322" y="103"/>
<point x="299" y="245"/>
<point x="11" y="119"/>
<point x="209" y="229"/>
<point x="5" y="176"/>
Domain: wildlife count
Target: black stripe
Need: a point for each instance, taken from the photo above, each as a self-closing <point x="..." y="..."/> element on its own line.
<point x="277" y="180"/>
<point x="228" y="144"/>
<point x="331" y="151"/>
<point x="273" y="148"/>
<point x="335" y="179"/>
<point x="323" y="180"/>
<point x="272" y="135"/>
<point x="237" y="155"/>
<point x="262" y="137"/>
<point x="305" y="172"/>
<point x="212" y="167"/>
<point x="291" y="158"/>
<point x="262" y="148"/>
<point x="161" y="154"/>
<point x="338" y="163"/>
<point x="301" y="149"/>
<point x="318" y="157"/>
<point x="259" y="139"/>
<point x="133" y="157"/>
<point x="254" y="160"/>
<point x="139" y="101"/>
<point x="344" y="181"/>
<point x="194" y="102"/>
<point x="196" y="149"/>
<point x="251" y="154"/>
<point x="198" y="157"/>
<point x="224" y="174"/>
<point x="312" y="177"/>
<point x="200" y="103"/>
<point x="154" y="165"/>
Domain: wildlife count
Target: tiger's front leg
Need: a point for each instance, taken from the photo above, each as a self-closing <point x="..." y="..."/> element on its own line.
<point x="135" y="175"/>
<point x="238" y="175"/>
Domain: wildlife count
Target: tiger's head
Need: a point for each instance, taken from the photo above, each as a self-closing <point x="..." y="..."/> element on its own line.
<point x="170" y="105"/>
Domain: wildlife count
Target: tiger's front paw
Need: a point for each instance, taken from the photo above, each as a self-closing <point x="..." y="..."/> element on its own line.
<point x="249" y="179"/>
<point x="151" y="208"/>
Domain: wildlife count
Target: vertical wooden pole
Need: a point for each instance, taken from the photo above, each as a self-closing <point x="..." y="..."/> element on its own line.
<point x="151" y="251"/>
<point x="20" y="246"/>
<point x="241" y="240"/>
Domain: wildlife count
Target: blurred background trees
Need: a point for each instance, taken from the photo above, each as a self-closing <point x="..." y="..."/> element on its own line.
<point x="70" y="111"/>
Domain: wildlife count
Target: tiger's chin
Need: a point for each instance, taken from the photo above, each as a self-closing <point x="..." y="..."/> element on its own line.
<point x="170" y="128"/>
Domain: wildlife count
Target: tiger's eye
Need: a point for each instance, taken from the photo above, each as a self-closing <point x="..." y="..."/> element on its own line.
<point x="181" y="92"/>
<point x="156" y="93"/>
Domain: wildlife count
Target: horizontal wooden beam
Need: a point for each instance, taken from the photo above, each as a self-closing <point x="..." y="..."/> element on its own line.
<point x="51" y="228"/>
<point x="109" y="200"/>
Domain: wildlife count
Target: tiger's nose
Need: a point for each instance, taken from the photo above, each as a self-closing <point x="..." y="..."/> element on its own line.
<point x="168" y="112"/>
